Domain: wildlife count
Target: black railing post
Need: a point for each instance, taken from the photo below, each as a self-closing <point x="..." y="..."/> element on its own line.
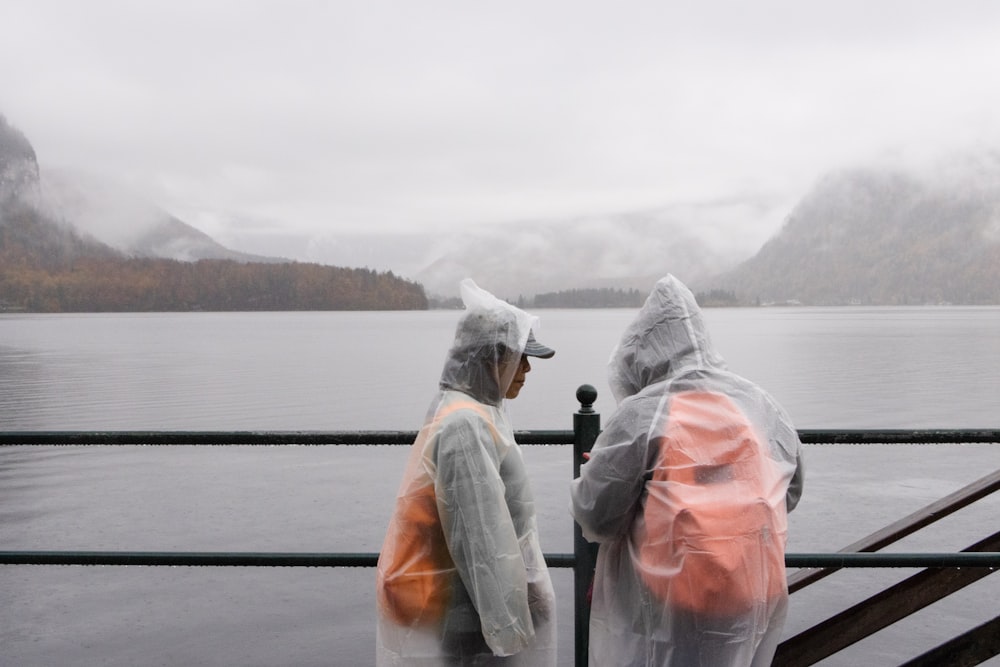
<point x="586" y="428"/>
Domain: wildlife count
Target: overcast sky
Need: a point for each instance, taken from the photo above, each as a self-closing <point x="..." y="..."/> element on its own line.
<point x="318" y="117"/>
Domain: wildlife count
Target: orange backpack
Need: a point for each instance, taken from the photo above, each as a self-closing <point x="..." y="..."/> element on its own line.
<point x="415" y="566"/>
<point x="714" y="532"/>
<point x="413" y="570"/>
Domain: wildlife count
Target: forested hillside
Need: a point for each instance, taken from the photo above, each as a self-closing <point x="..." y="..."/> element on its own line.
<point x="44" y="268"/>
<point x="590" y="298"/>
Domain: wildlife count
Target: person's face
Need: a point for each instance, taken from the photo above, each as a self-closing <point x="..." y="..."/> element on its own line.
<point x="523" y="367"/>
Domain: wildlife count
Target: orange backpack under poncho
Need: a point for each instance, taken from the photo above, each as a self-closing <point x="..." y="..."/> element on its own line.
<point x="715" y="520"/>
<point x="415" y="567"/>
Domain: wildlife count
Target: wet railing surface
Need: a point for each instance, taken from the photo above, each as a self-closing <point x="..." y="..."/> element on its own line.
<point x="845" y="628"/>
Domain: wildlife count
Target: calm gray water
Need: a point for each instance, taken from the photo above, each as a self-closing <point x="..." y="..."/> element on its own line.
<point x="834" y="367"/>
<point x="850" y="368"/>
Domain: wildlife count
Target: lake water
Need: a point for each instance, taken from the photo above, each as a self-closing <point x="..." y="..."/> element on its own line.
<point x="831" y="368"/>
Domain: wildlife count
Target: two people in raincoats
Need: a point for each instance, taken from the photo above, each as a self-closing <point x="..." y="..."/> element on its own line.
<point x="687" y="491"/>
<point x="461" y="578"/>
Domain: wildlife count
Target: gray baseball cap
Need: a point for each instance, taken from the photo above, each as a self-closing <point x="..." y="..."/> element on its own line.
<point x="535" y="349"/>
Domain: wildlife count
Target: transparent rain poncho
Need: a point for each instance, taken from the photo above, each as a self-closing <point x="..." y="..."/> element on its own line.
<point x="461" y="578"/>
<point x="687" y="491"/>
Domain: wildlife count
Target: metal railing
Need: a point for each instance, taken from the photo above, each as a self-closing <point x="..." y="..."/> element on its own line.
<point x="977" y="645"/>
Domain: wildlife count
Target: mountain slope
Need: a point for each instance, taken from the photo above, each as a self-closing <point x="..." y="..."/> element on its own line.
<point x="127" y="222"/>
<point x="18" y="165"/>
<point x="25" y="234"/>
<point x="880" y="236"/>
<point x="104" y="211"/>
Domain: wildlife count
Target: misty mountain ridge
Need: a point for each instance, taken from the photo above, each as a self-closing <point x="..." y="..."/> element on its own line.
<point x="888" y="234"/>
<point x="100" y="209"/>
<point x="514" y="259"/>
<point x="525" y="258"/>
<point x="876" y="235"/>
<point x="885" y="236"/>
<point x="126" y="221"/>
<point x="623" y="252"/>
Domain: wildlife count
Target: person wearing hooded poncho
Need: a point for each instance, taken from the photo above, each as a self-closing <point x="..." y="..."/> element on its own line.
<point x="461" y="578"/>
<point x="687" y="491"/>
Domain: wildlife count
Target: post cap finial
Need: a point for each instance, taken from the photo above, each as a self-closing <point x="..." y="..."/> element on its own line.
<point x="586" y="394"/>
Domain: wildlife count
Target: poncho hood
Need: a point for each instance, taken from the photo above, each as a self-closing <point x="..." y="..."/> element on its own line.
<point x="489" y="341"/>
<point x="666" y="336"/>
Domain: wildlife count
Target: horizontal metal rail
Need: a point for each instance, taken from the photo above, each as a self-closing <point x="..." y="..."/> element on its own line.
<point x="846" y="560"/>
<point x="537" y="437"/>
<point x="215" y="438"/>
<point x="985" y="559"/>
<point x="898" y="436"/>
<point x="214" y="558"/>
